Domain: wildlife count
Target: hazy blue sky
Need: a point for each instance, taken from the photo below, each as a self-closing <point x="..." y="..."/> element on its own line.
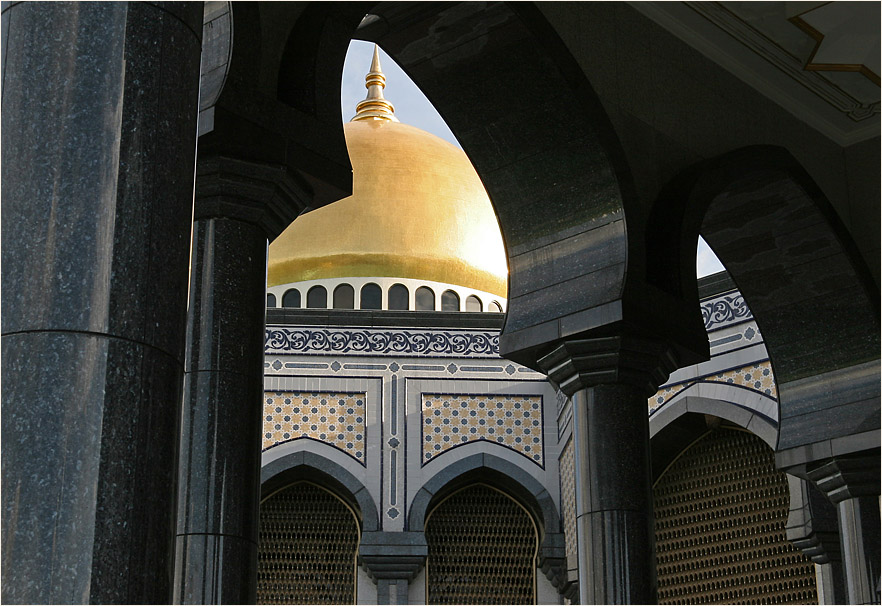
<point x="412" y="107"/>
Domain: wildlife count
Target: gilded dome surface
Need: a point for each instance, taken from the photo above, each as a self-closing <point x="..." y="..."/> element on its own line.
<point x="418" y="210"/>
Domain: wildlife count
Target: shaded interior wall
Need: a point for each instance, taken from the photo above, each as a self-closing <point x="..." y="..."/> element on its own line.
<point x="672" y="107"/>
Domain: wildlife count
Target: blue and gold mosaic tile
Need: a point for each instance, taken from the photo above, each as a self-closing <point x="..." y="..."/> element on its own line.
<point x="450" y="420"/>
<point x="757" y="377"/>
<point x="335" y="418"/>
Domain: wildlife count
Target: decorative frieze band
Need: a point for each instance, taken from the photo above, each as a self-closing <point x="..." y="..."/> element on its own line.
<point x="375" y="342"/>
<point x="724" y="310"/>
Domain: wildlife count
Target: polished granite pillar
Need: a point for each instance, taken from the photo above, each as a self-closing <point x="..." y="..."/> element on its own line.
<point x="851" y="482"/>
<point x="98" y="141"/>
<point x="238" y="206"/>
<point x="609" y="380"/>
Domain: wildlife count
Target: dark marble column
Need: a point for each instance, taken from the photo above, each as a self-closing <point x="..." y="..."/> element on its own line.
<point x="98" y="140"/>
<point x="238" y="206"/>
<point x="851" y="482"/>
<point x="392" y="560"/>
<point x="609" y="380"/>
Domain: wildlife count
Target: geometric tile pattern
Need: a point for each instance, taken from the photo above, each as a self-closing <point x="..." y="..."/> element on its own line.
<point x="449" y="420"/>
<point x="757" y="377"/>
<point x="568" y="500"/>
<point x="335" y="418"/>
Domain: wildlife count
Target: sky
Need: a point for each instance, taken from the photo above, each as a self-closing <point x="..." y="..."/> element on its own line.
<point x="412" y="107"/>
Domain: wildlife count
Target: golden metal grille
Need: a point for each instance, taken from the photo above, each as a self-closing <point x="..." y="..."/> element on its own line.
<point x="482" y="549"/>
<point x="306" y="553"/>
<point x="720" y="511"/>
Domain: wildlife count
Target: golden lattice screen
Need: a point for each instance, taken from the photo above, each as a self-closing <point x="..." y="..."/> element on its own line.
<point x="720" y="511"/>
<point x="307" y="546"/>
<point x="482" y="550"/>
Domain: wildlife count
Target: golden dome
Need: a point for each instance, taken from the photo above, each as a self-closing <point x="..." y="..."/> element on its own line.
<point x="418" y="210"/>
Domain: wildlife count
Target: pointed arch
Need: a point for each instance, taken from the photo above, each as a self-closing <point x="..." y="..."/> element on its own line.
<point x="551" y="162"/>
<point x="796" y="265"/>
<point x="306" y="465"/>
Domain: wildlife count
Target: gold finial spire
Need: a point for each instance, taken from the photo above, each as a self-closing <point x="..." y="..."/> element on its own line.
<point x="375" y="106"/>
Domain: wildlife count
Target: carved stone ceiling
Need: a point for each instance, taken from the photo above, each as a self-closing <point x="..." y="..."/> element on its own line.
<point x="818" y="60"/>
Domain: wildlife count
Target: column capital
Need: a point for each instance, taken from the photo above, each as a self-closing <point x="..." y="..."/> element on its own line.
<point x="812" y="525"/>
<point x="552" y="559"/>
<point x="264" y="194"/>
<point x="393" y="555"/>
<point x="847" y="476"/>
<point x="582" y="363"/>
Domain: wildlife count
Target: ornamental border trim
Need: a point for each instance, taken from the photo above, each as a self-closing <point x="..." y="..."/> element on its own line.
<point x="423" y="343"/>
<point x="725" y="310"/>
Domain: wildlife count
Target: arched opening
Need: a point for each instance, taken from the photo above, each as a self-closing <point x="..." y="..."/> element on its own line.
<point x="399" y="297"/>
<point x="473" y="303"/>
<point x="449" y="301"/>
<point x="270" y="300"/>
<point x="308" y="541"/>
<point x="482" y="549"/>
<point x="495" y="307"/>
<point x="291" y="298"/>
<point x="344" y="297"/>
<point x="424" y="299"/>
<point x="723" y="499"/>
<point x="371" y="297"/>
<point x="317" y="298"/>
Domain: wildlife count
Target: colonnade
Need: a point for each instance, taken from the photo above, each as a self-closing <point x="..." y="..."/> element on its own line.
<point x="131" y="432"/>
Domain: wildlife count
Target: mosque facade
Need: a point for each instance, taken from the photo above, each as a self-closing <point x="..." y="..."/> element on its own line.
<point x="397" y="404"/>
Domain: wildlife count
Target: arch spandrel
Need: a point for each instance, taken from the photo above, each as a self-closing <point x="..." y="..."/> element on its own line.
<point x="280" y="100"/>
<point x="543" y="146"/>
<point x="809" y="289"/>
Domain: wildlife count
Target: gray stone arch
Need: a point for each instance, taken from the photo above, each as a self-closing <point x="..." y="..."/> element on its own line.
<point x="679" y="423"/>
<point x="795" y="263"/>
<point x="760" y="425"/>
<point x="514" y="481"/>
<point x="305" y="465"/>
<point x="556" y="201"/>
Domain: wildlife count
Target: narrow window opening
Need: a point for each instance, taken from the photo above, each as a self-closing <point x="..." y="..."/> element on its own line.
<point x="473" y="303"/>
<point x="425" y="299"/>
<point x="449" y="301"/>
<point x="371" y="297"/>
<point x="291" y="298"/>
<point x="317" y="298"/>
<point x="344" y="297"/>
<point x="399" y="297"/>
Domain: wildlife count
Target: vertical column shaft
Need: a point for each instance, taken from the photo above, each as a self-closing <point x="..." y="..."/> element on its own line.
<point x="859" y="533"/>
<point x="613" y="502"/>
<point x="609" y="379"/>
<point x="851" y="483"/>
<point x="240" y="204"/>
<point x="219" y="468"/>
<point x="98" y="143"/>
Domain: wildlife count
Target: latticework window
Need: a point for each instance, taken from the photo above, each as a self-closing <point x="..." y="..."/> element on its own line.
<point x="308" y="543"/>
<point x="720" y="511"/>
<point x="482" y="549"/>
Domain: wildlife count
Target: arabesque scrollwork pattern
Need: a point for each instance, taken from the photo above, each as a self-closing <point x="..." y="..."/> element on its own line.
<point x="724" y="310"/>
<point x="382" y="342"/>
